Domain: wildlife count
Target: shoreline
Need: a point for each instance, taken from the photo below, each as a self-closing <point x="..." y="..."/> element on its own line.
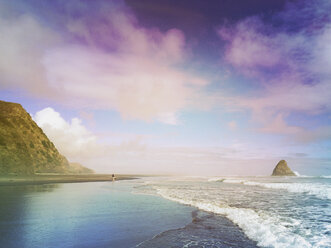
<point x="102" y="214"/>
<point x="205" y="227"/>
<point x="11" y="180"/>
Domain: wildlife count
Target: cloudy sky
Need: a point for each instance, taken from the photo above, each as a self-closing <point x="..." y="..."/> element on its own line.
<point x="179" y="87"/>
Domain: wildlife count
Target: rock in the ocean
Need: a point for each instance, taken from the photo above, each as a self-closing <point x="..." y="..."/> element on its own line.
<point x="282" y="169"/>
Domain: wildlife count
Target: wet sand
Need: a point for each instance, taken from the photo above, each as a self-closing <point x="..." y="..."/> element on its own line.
<point x="205" y="230"/>
<point x="51" y="178"/>
<point x="84" y="215"/>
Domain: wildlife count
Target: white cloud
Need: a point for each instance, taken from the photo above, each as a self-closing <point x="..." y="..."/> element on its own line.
<point x="134" y="155"/>
<point x="72" y="139"/>
<point x="168" y="118"/>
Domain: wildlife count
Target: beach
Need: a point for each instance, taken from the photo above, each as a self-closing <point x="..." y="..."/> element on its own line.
<point x="161" y="212"/>
<point x="107" y="214"/>
<point x="55" y="178"/>
<point x="279" y="212"/>
<point x="88" y="215"/>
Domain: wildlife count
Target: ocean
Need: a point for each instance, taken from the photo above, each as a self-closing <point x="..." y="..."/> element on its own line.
<point x="275" y="212"/>
<point x="172" y="212"/>
<point x="84" y="215"/>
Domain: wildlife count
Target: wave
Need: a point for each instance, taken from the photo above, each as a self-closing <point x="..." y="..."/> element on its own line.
<point x="216" y="179"/>
<point x="299" y="175"/>
<point x="266" y="230"/>
<point x="317" y="189"/>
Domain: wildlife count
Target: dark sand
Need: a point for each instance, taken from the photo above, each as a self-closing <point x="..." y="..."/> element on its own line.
<point x="49" y="178"/>
<point x="205" y="230"/>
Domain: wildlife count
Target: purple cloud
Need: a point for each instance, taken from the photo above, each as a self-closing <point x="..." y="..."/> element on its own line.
<point x="292" y="67"/>
<point x="248" y="48"/>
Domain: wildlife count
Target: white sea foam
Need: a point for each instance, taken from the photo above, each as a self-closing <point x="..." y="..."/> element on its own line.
<point x="322" y="191"/>
<point x="266" y="230"/>
<point x="216" y="179"/>
<point x="297" y="173"/>
<point x="300" y="175"/>
<point x="268" y="223"/>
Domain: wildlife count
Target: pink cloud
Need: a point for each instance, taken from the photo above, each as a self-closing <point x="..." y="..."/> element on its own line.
<point x="105" y="61"/>
<point x="290" y="96"/>
<point x="279" y="126"/>
<point x="232" y="125"/>
<point x="295" y="133"/>
<point x="22" y="45"/>
<point x="139" y="87"/>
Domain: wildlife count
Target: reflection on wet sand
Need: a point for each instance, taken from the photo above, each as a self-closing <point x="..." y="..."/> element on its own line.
<point x="205" y="230"/>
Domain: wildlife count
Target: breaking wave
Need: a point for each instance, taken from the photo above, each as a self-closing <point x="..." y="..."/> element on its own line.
<point x="266" y="230"/>
<point x="319" y="190"/>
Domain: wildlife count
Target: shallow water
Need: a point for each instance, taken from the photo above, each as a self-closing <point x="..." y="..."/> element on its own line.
<point x="170" y="212"/>
<point x="274" y="212"/>
<point x="84" y="215"/>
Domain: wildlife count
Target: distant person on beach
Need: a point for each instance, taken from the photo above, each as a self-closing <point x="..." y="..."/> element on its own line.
<point x="113" y="177"/>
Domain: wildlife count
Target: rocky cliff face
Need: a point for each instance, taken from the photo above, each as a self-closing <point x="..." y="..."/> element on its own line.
<point x="24" y="148"/>
<point x="282" y="169"/>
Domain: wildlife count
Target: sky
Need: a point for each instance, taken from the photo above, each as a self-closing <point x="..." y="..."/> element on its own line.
<point x="186" y="87"/>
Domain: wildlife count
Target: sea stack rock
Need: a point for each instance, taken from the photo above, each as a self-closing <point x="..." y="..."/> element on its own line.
<point x="282" y="169"/>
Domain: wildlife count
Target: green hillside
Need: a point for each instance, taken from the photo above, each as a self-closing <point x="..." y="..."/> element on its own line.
<point x="24" y="147"/>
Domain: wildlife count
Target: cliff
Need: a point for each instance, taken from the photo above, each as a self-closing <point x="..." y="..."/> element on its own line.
<point x="76" y="168"/>
<point x="282" y="169"/>
<point x="24" y="147"/>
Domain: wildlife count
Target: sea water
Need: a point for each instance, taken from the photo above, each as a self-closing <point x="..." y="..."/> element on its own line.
<point x="276" y="212"/>
<point x="93" y="215"/>
<point x="173" y="212"/>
